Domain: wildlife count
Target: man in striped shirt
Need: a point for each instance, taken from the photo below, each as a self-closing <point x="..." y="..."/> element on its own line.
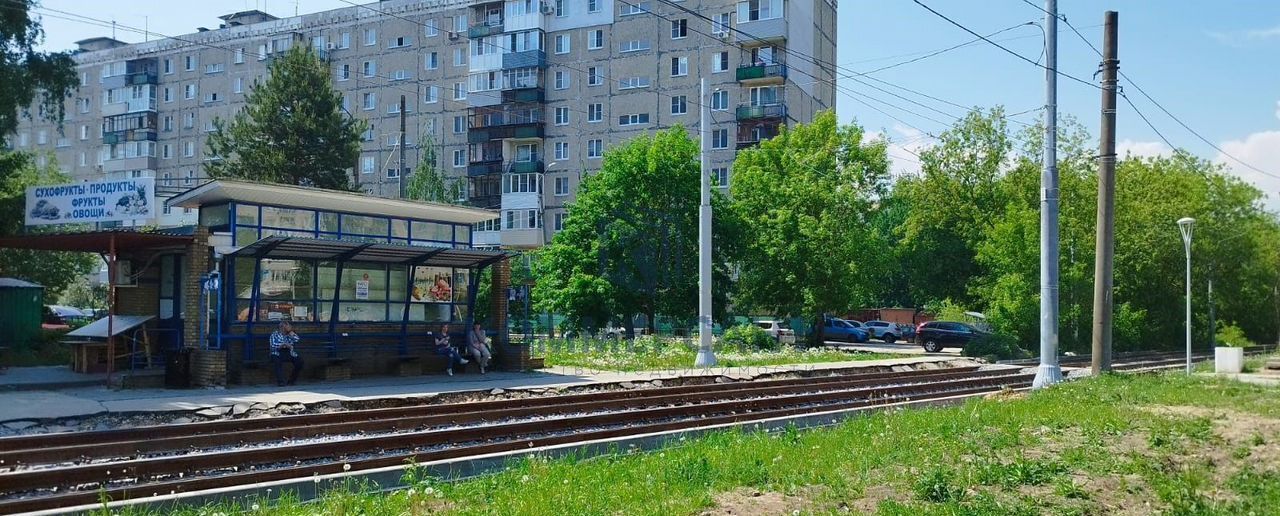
<point x="282" y="342"/>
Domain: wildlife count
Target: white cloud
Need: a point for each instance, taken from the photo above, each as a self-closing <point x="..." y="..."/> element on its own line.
<point x="905" y="144"/>
<point x="1262" y="150"/>
<point x="1142" y="149"/>
<point x="1239" y="38"/>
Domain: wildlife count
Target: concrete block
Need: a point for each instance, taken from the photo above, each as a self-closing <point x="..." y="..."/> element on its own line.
<point x="1228" y="360"/>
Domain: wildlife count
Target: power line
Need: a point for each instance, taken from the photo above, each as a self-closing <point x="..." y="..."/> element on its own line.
<point x="1144" y="119"/>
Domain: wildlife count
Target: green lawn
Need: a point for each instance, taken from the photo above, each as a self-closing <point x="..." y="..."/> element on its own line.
<point x="649" y="354"/>
<point x="1117" y="444"/>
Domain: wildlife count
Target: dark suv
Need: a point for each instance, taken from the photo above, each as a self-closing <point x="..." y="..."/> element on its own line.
<point x="935" y="335"/>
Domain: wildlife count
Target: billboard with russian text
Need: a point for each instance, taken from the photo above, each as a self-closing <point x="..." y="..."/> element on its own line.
<point x="120" y="200"/>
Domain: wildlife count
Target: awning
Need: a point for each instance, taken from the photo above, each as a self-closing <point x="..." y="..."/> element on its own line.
<point x="126" y="239"/>
<point x="299" y="248"/>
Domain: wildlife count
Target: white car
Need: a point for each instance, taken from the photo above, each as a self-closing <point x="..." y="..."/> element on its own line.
<point x="777" y="329"/>
<point x="884" y="330"/>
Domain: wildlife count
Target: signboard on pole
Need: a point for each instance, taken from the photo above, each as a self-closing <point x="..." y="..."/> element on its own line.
<point x="119" y="200"/>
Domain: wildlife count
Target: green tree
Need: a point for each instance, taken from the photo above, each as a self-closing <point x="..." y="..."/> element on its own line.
<point x="291" y="130"/>
<point x="807" y="196"/>
<point x="54" y="270"/>
<point x="427" y="182"/>
<point x="28" y="74"/>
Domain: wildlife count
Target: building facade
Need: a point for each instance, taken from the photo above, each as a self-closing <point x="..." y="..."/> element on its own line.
<point x="518" y="98"/>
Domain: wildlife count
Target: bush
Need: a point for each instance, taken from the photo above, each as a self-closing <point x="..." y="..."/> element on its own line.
<point x="994" y="346"/>
<point x="1231" y="335"/>
<point x="49" y="350"/>
<point x="748" y="337"/>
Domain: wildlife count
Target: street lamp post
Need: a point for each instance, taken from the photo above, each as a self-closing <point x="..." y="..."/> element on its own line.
<point x="1185" y="225"/>
<point x="706" y="355"/>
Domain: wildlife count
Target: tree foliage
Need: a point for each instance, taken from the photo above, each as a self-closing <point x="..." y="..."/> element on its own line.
<point x="428" y="183"/>
<point x="291" y="130"/>
<point x="807" y="197"/>
<point x="29" y="75"/>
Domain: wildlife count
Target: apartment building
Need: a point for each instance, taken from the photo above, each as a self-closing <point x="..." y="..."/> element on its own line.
<point x="519" y="98"/>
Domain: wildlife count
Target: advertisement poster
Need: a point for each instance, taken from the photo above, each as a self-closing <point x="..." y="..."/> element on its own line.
<point x="120" y="200"/>
<point x="362" y="288"/>
<point x="432" y="285"/>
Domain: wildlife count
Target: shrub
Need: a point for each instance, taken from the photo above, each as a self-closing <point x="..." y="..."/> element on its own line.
<point x="49" y="350"/>
<point x="1231" y="335"/>
<point x="994" y="346"/>
<point x="748" y="337"/>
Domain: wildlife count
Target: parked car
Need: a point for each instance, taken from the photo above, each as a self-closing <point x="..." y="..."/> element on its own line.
<point x="840" y="329"/>
<point x="887" y="331"/>
<point x="779" y="330"/>
<point x="58" y="317"/>
<point x="935" y="335"/>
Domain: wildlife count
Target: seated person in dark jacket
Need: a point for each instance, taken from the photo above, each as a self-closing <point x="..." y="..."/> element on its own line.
<point x="445" y="348"/>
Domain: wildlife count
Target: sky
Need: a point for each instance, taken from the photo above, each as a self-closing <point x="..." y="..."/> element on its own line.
<point x="1212" y="64"/>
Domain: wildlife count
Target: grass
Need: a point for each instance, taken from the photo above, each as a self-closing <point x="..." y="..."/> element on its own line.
<point x="647" y="353"/>
<point x="1095" y="446"/>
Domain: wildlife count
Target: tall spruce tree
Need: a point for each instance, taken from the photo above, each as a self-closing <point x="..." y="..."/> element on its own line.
<point x="292" y="129"/>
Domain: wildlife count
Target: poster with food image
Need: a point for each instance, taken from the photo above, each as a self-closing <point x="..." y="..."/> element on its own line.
<point x="432" y="285"/>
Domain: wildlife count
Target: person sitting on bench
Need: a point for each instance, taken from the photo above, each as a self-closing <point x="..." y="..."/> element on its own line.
<point x="478" y="346"/>
<point x="283" y="341"/>
<point x="445" y="348"/>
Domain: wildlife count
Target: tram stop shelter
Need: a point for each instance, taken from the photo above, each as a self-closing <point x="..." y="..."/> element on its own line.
<point x="363" y="280"/>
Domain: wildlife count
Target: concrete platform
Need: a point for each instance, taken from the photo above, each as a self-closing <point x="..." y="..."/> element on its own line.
<point x="84" y="401"/>
<point x="47" y="377"/>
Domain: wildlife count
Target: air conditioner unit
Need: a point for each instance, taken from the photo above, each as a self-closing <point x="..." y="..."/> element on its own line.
<point x="547" y="9"/>
<point x="330" y="46"/>
<point x="124" y="274"/>
<point x="724" y="35"/>
<point x="453" y="35"/>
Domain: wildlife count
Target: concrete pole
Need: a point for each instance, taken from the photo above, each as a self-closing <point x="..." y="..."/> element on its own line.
<point x="1104" y="260"/>
<point x="400" y="173"/>
<point x="1049" y="373"/>
<point x="706" y="355"/>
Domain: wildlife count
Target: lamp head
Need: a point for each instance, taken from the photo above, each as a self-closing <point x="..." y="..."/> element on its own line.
<point x="1186" y="221"/>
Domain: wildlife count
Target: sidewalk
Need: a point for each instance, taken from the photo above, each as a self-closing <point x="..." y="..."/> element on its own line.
<point x="84" y="401"/>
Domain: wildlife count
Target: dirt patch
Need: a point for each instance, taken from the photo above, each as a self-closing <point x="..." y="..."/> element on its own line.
<point x="873" y="496"/>
<point x="747" y="501"/>
<point x="1116" y="494"/>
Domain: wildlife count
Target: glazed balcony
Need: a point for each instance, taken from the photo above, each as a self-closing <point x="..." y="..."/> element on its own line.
<point x="762" y="73"/>
<point x="751" y="134"/>
<point x="771" y="111"/>
<point x="524" y="167"/>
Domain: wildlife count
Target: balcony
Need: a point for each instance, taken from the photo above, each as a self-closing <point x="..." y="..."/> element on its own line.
<point x="485" y="167"/>
<point x="134" y="163"/>
<point x="525" y="59"/>
<point x="746" y="112"/>
<point x="522" y="238"/>
<point x="752" y="31"/>
<point x="490" y="26"/>
<point x="762" y="73"/>
<point x="751" y="134"/>
<point x="132" y="135"/>
<point x="486" y="125"/>
<point x="524" y="167"/>
<point x="534" y="94"/>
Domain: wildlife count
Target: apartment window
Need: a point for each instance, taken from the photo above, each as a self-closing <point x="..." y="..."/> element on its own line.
<point x="561" y="9"/>
<point x="627" y="83"/>
<point x="190" y="62"/>
<point x="561" y="151"/>
<point x="720" y="24"/>
<point x="189" y="120"/>
<point x="370" y="101"/>
<point x="459" y="124"/>
<point x="344" y="40"/>
<point x="719" y="100"/>
<point x="211" y="97"/>
<point x="213" y="68"/>
<point x="239" y="87"/>
<point x="459" y="91"/>
<point x="84" y="160"/>
<point x="634" y="45"/>
<point x="634" y="119"/>
<point x="344" y="73"/>
<point x="459" y="158"/>
<point x="721" y="176"/>
<point x="562" y="80"/>
<point x="367" y="135"/>
<point x="558" y="221"/>
<point x="42" y="137"/>
<point x="720" y="139"/>
<point x="753" y="10"/>
<point x="346" y="103"/>
<point x="594" y="78"/>
<point x="595" y="39"/>
<point x="238" y="56"/>
<point x="432" y="60"/>
<point x="84" y="132"/>
<point x="593" y="6"/>
<point x="262" y="52"/>
<point x="168" y="67"/>
<point x="679" y="105"/>
<point x="679" y="28"/>
<point x="562" y="116"/>
<point x="167" y="94"/>
<point x="459" y="57"/>
<point x="367" y="164"/>
<point x="166" y="151"/>
<point x="393" y="173"/>
<point x="167" y="124"/>
<point x="561" y="186"/>
<point x="765" y="95"/>
<point x="720" y="62"/>
<point x="429" y="29"/>
<point x="370" y="37"/>
<point x="679" y="66"/>
<point x="400" y="42"/>
<point x="188" y="149"/>
<point x="433" y="95"/>
<point x="400" y="75"/>
<point x="392" y="109"/>
<point x="191" y="179"/>
<point x="22" y="140"/>
<point x="460" y="23"/>
<point x="189" y="91"/>
<point x="370" y="68"/>
<point x="562" y="43"/>
<point x="595" y="112"/>
<point x="632" y="7"/>
<point x="595" y="148"/>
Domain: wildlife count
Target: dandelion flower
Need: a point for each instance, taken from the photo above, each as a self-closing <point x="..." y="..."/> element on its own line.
<point x="346" y="467"/>
<point x="429" y="490"/>
<point x="255" y="507"/>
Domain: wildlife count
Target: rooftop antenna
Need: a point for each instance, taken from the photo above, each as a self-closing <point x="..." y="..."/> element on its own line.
<point x="113" y="29"/>
<point x="146" y="28"/>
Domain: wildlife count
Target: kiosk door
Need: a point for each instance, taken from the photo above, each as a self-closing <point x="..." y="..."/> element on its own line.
<point x="170" y="320"/>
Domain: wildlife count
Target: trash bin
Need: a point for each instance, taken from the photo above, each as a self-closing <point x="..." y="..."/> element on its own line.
<point x="177" y="369"/>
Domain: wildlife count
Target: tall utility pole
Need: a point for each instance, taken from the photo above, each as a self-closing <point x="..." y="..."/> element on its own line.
<point x="400" y="173"/>
<point x="706" y="356"/>
<point x="1213" y="323"/>
<point x="1104" y="256"/>
<point x="1049" y="373"/>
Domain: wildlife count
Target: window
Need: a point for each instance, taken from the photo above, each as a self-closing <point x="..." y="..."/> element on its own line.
<point x="190" y="62"/>
<point x="562" y="80"/>
<point x="84" y="132"/>
<point x="720" y="62"/>
<point x="720" y="100"/>
<point x="595" y="112"/>
<point x="84" y="160"/>
<point x="213" y="68"/>
<point x="429" y="29"/>
<point x="399" y="42"/>
<point x="632" y="7"/>
<point x="460" y="23"/>
<point x="370" y="68"/>
<point x="238" y="56"/>
<point x="459" y="91"/>
<point x="239" y="87"/>
<point x="189" y="91"/>
<point x="634" y="45"/>
<point x="459" y="158"/>
<point x="719" y="138"/>
<point x="400" y="75"/>
<point x="679" y="105"/>
<point x="370" y="100"/>
<point x="627" y="83"/>
<point x="394" y="108"/>
<point x="188" y="149"/>
<point x="562" y="150"/>
<point x="393" y="173"/>
<point x="459" y="124"/>
<point x="595" y="148"/>
<point x="562" y="9"/>
<point x="367" y="163"/>
<point x="346" y="103"/>
<point x="168" y="123"/>
<point x="634" y="119"/>
<point x="520" y="183"/>
<point x="344" y="73"/>
<point x="561" y="186"/>
<point x="593" y="6"/>
<point x="765" y="96"/>
<point x="211" y="97"/>
<point x="168" y="67"/>
<point x="721" y="176"/>
<point x="370" y="37"/>
<point x="594" y="78"/>
<point x="42" y="137"/>
<point x="562" y="43"/>
<point x="679" y="66"/>
<point x="189" y="120"/>
<point x="763" y="55"/>
<point x="166" y="151"/>
<point x="167" y="94"/>
<point x="558" y="221"/>
<point x="432" y="60"/>
<point x="432" y="96"/>
<point x="754" y="10"/>
<point x="459" y="57"/>
<point x="367" y="135"/>
<point x="562" y="116"/>
<point x="344" y="40"/>
<point x="720" y="24"/>
<point x="22" y="140"/>
<point x="595" y="39"/>
<point x="679" y="28"/>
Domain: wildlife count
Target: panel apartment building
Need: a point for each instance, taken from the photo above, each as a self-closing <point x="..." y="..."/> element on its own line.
<point x="518" y="97"/>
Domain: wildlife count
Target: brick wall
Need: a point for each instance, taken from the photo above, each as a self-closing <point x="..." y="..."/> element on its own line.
<point x="194" y="265"/>
<point x="510" y="357"/>
<point x="208" y="367"/>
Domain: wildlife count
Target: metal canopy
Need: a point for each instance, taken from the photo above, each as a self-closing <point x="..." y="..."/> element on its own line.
<point x="300" y="248"/>
<point x="126" y="239"/>
<point x="110" y="326"/>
